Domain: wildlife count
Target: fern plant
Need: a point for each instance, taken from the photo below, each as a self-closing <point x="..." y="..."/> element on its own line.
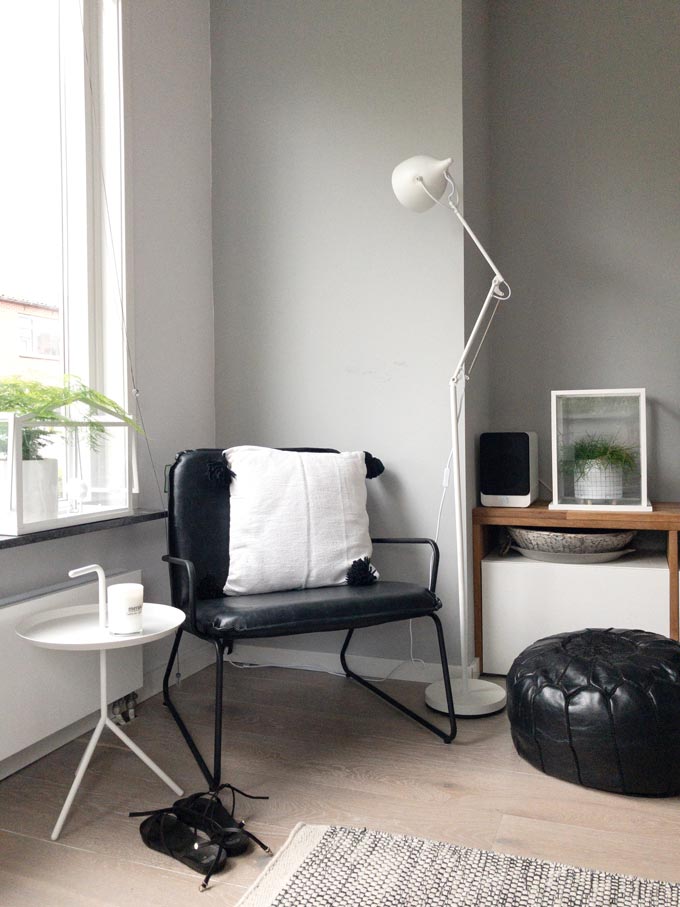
<point x="45" y="402"/>
<point x="606" y="450"/>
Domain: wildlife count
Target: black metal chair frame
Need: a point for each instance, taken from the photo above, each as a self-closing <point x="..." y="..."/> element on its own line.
<point x="225" y="646"/>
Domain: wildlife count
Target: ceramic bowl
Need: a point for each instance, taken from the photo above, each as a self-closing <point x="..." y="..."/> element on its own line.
<point x="585" y="542"/>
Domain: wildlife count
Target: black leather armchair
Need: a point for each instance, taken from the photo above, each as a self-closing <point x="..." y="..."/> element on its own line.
<point x="198" y="542"/>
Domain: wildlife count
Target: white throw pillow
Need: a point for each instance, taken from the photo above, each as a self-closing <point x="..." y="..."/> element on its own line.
<point x="297" y="520"/>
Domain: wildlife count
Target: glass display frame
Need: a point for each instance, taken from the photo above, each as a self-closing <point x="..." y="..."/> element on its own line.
<point x="66" y="481"/>
<point x="599" y="450"/>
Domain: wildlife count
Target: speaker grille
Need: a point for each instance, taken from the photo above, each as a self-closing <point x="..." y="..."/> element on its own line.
<point x="504" y="463"/>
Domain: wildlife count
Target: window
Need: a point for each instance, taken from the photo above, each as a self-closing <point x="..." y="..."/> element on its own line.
<point x="61" y="193"/>
<point x="39" y="337"/>
<point x="62" y="240"/>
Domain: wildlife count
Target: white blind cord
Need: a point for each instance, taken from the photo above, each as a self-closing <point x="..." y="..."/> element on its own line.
<point x="117" y="270"/>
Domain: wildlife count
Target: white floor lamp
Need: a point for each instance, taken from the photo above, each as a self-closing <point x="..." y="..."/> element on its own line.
<point x="419" y="183"/>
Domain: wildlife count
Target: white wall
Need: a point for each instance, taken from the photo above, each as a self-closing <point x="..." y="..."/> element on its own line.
<point x="168" y="133"/>
<point x="168" y="121"/>
<point x="168" y="97"/>
<point x="339" y="314"/>
<point x="586" y="215"/>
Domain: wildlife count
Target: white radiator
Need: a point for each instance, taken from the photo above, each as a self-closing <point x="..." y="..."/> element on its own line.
<point x="46" y="694"/>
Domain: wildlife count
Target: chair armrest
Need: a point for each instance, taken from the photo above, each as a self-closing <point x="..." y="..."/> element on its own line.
<point x="434" y="558"/>
<point x="191" y="584"/>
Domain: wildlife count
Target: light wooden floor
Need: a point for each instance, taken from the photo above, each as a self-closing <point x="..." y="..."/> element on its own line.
<point x="326" y="751"/>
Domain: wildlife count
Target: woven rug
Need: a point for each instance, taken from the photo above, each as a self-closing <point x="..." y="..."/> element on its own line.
<point x="331" y="866"/>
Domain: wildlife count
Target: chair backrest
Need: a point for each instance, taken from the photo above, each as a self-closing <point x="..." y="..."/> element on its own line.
<point x="198" y="520"/>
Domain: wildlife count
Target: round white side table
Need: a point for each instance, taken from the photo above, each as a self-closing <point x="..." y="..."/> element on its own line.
<point x="79" y="628"/>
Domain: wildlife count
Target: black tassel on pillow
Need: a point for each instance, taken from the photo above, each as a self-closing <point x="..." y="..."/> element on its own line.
<point x="361" y="573"/>
<point x="219" y="472"/>
<point x="374" y="466"/>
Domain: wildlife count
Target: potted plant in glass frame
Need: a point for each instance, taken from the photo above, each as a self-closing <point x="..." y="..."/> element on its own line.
<point x="599" y="464"/>
<point x="592" y="429"/>
<point x="43" y="404"/>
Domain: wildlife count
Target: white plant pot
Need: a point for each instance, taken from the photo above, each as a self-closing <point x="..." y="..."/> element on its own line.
<point x="40" y="486"/>
<point x="598" y="481"/>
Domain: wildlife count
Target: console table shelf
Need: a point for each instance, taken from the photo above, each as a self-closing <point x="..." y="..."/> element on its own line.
<point x="664" y="517"/>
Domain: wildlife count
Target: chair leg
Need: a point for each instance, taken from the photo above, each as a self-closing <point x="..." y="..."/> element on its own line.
<point x="446" y="737"/>
<point x="213" y="780"/>
<point x="219" y="685"/>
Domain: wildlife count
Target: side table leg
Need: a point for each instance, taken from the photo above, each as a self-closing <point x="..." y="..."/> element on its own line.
<point x="142" y="755"/>
<point x="84" y="762"/>
<point x="105" y="721"/>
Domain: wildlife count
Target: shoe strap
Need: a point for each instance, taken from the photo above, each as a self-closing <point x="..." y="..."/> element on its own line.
<point x="206" y="881"/>
<point x="257" y="841"/>
<point x="153" y="812"/>
<point x="235" y="790"/>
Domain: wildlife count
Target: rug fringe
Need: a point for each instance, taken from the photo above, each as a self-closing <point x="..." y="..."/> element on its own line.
<point x="256" y="894"/>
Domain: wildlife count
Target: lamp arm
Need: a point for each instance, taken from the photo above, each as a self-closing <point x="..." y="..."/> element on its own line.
<point x="499" y="279"/>
<point x="495" y="293"/>
<point x="468" y="229"/>
<point x="491" y="298"/>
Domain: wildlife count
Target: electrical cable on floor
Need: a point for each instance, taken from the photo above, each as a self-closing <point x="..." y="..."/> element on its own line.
<point x="445" y="484"/>
<point x="318" y="668"/>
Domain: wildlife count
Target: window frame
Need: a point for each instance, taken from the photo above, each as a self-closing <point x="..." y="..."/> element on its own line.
<point x="97" y="346"/>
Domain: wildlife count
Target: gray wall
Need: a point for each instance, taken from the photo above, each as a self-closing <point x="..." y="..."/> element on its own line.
<point x="586" y="207"/>
<point x="339" y="314"/>
<point x="168" y="133"/>
<point x="476" y="205"/>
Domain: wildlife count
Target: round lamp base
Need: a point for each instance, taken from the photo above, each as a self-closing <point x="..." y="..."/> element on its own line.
<point x="481" y="698"/>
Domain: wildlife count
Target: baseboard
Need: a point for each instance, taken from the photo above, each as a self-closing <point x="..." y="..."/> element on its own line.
<point x="153" y="683"/>
<point x="36" y="751"/>
<point x="303" y="659"/>
<point x="191" y="663"/>
<point x="366" y="665"/>
<point x="248" y="653"/>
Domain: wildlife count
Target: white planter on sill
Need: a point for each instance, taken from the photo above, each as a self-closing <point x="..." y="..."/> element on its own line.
<point x="40" y="486"/>
<point x="598" y="481"/>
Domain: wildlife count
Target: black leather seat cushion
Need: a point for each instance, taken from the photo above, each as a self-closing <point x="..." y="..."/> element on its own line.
<point x="600" y="708"/>
<point x="310" y="610"/>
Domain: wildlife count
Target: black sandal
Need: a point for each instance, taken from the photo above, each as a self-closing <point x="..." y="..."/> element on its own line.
<point x="166" y="833"/>
<point x="205" y="810"/>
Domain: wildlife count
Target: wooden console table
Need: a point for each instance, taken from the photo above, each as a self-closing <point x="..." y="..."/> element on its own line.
<point x="663" y="518"/>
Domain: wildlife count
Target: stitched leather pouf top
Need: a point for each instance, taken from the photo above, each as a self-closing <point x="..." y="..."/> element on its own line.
<point x="600" y="708"/>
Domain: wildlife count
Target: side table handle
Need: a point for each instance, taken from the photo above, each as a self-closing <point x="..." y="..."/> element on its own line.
<point x="95" y="568"/>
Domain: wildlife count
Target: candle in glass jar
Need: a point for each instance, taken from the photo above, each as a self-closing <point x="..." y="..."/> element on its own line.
<point x="125" y="608"/>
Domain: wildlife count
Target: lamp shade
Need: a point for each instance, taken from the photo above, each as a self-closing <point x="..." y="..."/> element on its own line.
<point x="409" y="178"/>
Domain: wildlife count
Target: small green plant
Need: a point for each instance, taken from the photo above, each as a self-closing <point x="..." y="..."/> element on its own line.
<point x="44" y="403"/>
<point x="606" y="450"/>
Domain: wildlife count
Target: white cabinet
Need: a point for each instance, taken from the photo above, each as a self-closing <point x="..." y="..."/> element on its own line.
<point x="524" y="600"/>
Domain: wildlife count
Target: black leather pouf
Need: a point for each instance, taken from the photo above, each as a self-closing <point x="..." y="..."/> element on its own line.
<point x="600" y="708"/>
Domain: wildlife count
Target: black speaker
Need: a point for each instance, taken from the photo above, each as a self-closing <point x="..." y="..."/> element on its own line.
<point x="508" y="468"/>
